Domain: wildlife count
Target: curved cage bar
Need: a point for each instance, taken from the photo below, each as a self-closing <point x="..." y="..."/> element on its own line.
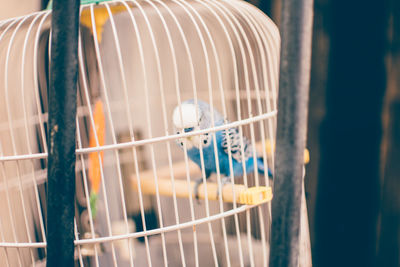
<point x="135" y="200"/>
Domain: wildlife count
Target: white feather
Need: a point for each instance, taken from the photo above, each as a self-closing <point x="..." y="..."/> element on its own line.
<point x="188" y="116"/>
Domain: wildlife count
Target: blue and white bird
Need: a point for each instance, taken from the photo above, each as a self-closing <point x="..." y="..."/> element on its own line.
<point x="198" y="117"/>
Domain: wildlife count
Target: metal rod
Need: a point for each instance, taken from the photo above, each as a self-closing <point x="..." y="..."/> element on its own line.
<point x="347" y="209"/>
<point x="296" y="32"/>
<point x="62" y="133"/>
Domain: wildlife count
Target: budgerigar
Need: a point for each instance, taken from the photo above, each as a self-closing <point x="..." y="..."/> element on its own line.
<point x="190" y="121"/>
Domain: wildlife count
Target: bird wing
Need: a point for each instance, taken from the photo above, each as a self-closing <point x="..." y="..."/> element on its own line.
<point x="235" y="144"/>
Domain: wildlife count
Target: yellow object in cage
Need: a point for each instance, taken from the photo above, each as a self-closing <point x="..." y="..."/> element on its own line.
<point x="101" y="17"/>
<point x="96" y="159"/>
<point x="270" y="148"/>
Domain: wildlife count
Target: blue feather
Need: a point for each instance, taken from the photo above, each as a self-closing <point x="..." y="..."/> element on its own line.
<point x="235" y="146"/>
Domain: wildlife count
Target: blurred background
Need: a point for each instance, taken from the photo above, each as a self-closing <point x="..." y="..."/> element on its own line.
<point x="353" y="178"/>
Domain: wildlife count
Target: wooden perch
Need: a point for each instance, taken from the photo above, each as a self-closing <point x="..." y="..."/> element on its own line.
<point x="270" y="147"/>
<point x="243" y="195"/>
<point x="250" y="196"/>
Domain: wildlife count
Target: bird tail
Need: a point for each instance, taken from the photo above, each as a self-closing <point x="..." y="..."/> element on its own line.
<point x="261" y="168"/>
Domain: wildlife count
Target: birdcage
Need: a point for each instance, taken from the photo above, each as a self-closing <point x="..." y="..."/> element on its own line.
<point x="141" y="199"/>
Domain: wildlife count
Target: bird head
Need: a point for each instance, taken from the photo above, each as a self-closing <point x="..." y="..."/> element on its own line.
<point x="188" y="121"/>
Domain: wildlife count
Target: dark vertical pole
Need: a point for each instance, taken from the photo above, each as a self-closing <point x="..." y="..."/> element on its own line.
<point x="265" y="6"/>
<point x="389" y="228"/>
<point x="62" y="131"/>
<point x="348" y="186"/>
<point x="44" y="3"/>
<point x="388" y="246"/>
<point x="296" y="33"/>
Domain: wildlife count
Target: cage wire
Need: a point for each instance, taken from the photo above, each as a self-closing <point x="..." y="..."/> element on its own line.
<point x="135" y="203"/>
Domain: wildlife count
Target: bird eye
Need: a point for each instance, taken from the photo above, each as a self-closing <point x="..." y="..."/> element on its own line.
<point x="205" y="141"/>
